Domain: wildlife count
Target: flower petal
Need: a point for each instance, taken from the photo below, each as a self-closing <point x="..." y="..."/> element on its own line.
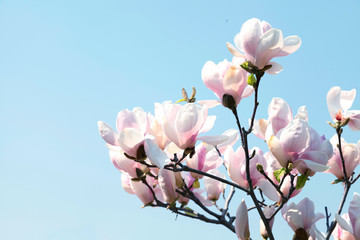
<point x="291" y="44"/>
<point x="268" y="189"/>
<point x="276" y="149"/>
<point x="268" y="46"/>
<point x="107" y="133"/>
<point x="275" y="68"/>
<point x="155" y="154"/>
<point x="234" y="51"/>
<point x="213" y="140"/>
<point x="343" y="223"/>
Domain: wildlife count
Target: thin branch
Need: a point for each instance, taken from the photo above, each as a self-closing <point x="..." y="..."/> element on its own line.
<point x="244" y="141"/>
<point x="353" y="181"/>
<point x="273" y="184"/>
<point x="347" y="184"/>
<point x="188" y="169"/>
<point x="227" y="201"/>
<point x="327" y="215"/>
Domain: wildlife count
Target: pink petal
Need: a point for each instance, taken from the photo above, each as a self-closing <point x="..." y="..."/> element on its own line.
<point x="212" y="77"/>
<point x="295" y="137"/>
<point x="354" y="210"/>
<point x="354" y="123"/>
<point x="276" y="149"/>
<point x="280" y="114"/>
<point x="248" y="38"/>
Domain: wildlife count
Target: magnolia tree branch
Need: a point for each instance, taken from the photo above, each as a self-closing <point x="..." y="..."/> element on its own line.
<point x="285" y="199"/>
<point x="187" y="212"/>
<point x="220" y="220"/>
<point x="184" y="168"/>
<point x="244" y="140"/>
<point x="347" y="183"/>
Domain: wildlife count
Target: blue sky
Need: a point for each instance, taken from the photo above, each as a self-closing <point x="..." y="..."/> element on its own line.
<point x="64" y="65"/>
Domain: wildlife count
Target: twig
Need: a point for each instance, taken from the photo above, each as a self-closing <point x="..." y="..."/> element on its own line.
<point x="227" y="201"/>
<point x="327" y="219"/>
<point x="347" y="184"/>
<point x="188" y="169"/>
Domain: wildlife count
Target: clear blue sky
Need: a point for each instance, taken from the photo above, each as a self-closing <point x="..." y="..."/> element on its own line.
<point x="64" y="65"/>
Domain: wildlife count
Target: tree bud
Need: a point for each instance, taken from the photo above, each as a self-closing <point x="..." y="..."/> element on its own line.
<point x="259" y="167"/>
<point x="251" y="80"/>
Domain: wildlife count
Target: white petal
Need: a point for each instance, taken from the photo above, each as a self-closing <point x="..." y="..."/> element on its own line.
<point x="213" y="140"/>
<point x="343" y="223"/>
<point x="313" y="166"/>
<point x="234" y="51"/>
<point x="268" y="190"/>
<point x="155" y="154"/>
<point x="269" y="45"/>
<point x="209" y="123"/>
<point x="291" y="44"/>
<point x="333" y="101"/>
<point x="347" y="99"/>
<point x="242" y="222"/>
<point x="107" y="133"/>
<point x="275" y="68"/>
<point x="209" y="103"/>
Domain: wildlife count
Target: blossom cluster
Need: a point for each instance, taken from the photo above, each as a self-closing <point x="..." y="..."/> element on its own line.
<point x="167" y="160"/>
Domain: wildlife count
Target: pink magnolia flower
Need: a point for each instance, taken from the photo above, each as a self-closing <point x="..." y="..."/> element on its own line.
<point x="242" y="222"/>
<point x="237" y="168"/>
<point x="339" y="102"/>
<point x="353" y="226"/>
<point x="225" y="78"/>
<point x="213" y="187"/>
<point x="351" y="154"/>
<point x="132" y="127"/>
<point x="341" y="234"/>
<point x="301" y="145"/>
<point x="301" y="215"/>
<point x="259" y="43"/>
<point x="183" y="123"/>
<point x="205" y="158"/>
